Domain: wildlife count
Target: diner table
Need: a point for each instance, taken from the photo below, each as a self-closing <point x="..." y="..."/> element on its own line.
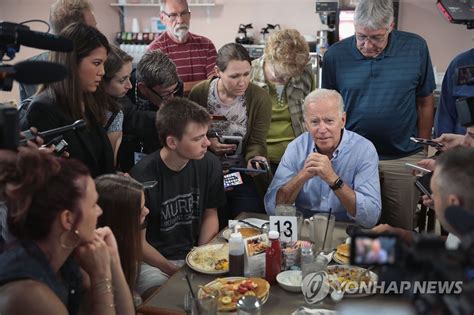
<point x="169" y="298"/>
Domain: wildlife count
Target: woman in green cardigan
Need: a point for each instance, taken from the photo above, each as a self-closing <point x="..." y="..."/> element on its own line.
<point x="239" y="108"/>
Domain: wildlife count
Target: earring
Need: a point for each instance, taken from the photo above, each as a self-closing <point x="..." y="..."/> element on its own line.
<point x="63" y="239"/>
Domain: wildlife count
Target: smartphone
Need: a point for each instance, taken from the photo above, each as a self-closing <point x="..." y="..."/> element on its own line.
<point x="423" y="184"/>
<point x="417" y="168"/>
<point x="247" y="170"/>
<point x="429" y="142"/>
<point x="218" y="117"/>
<point x="61" y="147"/>
<point x="237" y="140"/>
<point x="374" y="249"/>
<point x="262" y="163"/>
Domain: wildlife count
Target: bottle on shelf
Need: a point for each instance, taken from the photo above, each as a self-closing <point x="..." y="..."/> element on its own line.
<point x="273" y="257"/>
<point x="236" y="255"/>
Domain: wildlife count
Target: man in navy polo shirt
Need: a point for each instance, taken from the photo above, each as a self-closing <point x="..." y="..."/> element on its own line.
<point x="386" y="80"/>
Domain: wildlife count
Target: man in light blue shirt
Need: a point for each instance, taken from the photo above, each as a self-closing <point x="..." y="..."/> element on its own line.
<point x="328" y="166"/>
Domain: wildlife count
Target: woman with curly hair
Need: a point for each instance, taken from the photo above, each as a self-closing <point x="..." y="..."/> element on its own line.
<point x="285" y="72"/>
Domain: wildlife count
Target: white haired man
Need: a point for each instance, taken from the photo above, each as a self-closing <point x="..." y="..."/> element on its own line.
<point x="328" y="166"/>
<point x="194" y="55"/>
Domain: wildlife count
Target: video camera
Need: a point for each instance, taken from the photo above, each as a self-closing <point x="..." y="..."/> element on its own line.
<point x="9" y="131"/>
<point x="436" y="279"/>
<point x="12" y="36"/>
<point x="465" y="106"/>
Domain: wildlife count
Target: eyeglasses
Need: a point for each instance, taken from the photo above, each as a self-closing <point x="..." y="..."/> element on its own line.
<point x="167" y="95"/>
<point x="376" y="39"/>
<point x="174" y="16"/>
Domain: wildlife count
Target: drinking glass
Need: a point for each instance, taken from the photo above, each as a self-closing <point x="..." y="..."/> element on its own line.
<point x="285" y="210"/>
<point x="320" y="225"/>
<point x="204" y="305"/>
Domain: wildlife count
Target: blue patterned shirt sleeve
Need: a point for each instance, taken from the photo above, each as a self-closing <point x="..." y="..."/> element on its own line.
<point x="355" y="161"/>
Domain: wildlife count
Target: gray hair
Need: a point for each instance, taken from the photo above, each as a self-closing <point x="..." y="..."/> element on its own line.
<point x="324" y="94"/>
<point x="163" y="3"/>
<point x="156" y="68"/>
<point x="374" y="14"/>
<point x="456" y="175"/>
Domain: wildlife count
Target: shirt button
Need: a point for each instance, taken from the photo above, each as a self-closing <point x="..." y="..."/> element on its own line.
<point x="73" y="291"/>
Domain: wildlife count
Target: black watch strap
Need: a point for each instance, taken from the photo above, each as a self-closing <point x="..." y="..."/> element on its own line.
<point x="337" y="184"/>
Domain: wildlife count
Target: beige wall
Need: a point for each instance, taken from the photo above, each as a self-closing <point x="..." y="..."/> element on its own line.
<point x="220" y="23"/>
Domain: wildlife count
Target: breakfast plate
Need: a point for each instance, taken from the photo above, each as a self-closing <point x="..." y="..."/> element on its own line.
<point x="354" y="281"/>
<point x="209" y="259"/>
<point x="229" y="290"/>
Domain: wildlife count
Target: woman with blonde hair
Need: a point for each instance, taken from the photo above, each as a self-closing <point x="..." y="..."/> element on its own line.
<point x="285" y="72"/>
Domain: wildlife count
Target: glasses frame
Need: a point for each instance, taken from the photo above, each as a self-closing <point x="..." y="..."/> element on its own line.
<point x="167" y="96"/>
<point x="174" y="16"/>
<point x="374" y="39"/>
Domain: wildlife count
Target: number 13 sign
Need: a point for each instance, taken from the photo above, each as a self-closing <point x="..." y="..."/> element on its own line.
<point x="286" y="226"/>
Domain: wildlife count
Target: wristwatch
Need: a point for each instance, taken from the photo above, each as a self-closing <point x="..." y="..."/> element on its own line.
<point x="337" y="184"/>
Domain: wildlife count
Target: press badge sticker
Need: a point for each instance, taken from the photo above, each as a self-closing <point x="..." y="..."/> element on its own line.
<point x="137" y="156"/>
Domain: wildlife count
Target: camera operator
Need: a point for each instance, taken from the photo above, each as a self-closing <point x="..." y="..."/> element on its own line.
<point x="451" y="184"/>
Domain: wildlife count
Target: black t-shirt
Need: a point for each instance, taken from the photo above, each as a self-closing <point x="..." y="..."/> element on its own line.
<point x="178" y="201"/>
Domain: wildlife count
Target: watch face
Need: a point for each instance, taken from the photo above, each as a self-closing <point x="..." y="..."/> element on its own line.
<point x="337" y="184"/>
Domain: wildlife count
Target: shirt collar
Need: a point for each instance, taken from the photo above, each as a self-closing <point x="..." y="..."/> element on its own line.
<point x="339" y="148"/>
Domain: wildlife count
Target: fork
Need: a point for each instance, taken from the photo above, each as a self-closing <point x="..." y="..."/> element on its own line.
<point x="365" y="273"/>
<point x="187" y="303"/>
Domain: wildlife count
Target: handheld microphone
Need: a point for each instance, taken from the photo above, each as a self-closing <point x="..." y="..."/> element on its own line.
<point x="460" y="219"/>
<point x="43" y="40"/>
<point x="52" y="132"/>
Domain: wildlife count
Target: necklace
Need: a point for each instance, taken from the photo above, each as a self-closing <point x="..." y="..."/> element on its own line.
<point x="278" y="97"/>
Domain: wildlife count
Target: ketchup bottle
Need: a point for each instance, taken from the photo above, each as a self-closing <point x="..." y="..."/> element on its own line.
<point x="273" y="257"/>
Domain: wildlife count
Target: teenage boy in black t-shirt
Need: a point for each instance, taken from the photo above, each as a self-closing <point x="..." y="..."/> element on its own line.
<point x="183" y="205"/>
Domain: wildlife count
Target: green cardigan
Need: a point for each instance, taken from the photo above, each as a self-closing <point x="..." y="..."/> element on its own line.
<point x="259" y="116"/>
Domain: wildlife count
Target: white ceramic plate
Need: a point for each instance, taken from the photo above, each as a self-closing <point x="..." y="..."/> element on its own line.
<point x="202" y="250"/>
<point x="200" y="292"/>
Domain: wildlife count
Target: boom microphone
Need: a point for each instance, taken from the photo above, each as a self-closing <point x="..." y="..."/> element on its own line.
<point x="460" y="219"/>
<point x="34" y="72"/>
<point x="43" y="40"/>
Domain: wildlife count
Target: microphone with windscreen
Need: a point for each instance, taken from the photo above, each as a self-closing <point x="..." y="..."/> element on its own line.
<point x="13" y="35"/>
<point x="460" y="219"/>
<point x="31" y="72"/>
<point x="43" y="40"/>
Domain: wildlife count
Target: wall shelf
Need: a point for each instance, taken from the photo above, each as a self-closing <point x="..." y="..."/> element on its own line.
<point x="157" y="4"/>
<point x="122" y="7"/>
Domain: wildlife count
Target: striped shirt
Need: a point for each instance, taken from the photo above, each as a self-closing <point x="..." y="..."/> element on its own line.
<point x="380" y="93"/>
<point x="195" y="59"/>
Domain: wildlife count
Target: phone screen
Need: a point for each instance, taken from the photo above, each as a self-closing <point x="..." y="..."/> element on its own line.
<point x="368" y="250"/>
